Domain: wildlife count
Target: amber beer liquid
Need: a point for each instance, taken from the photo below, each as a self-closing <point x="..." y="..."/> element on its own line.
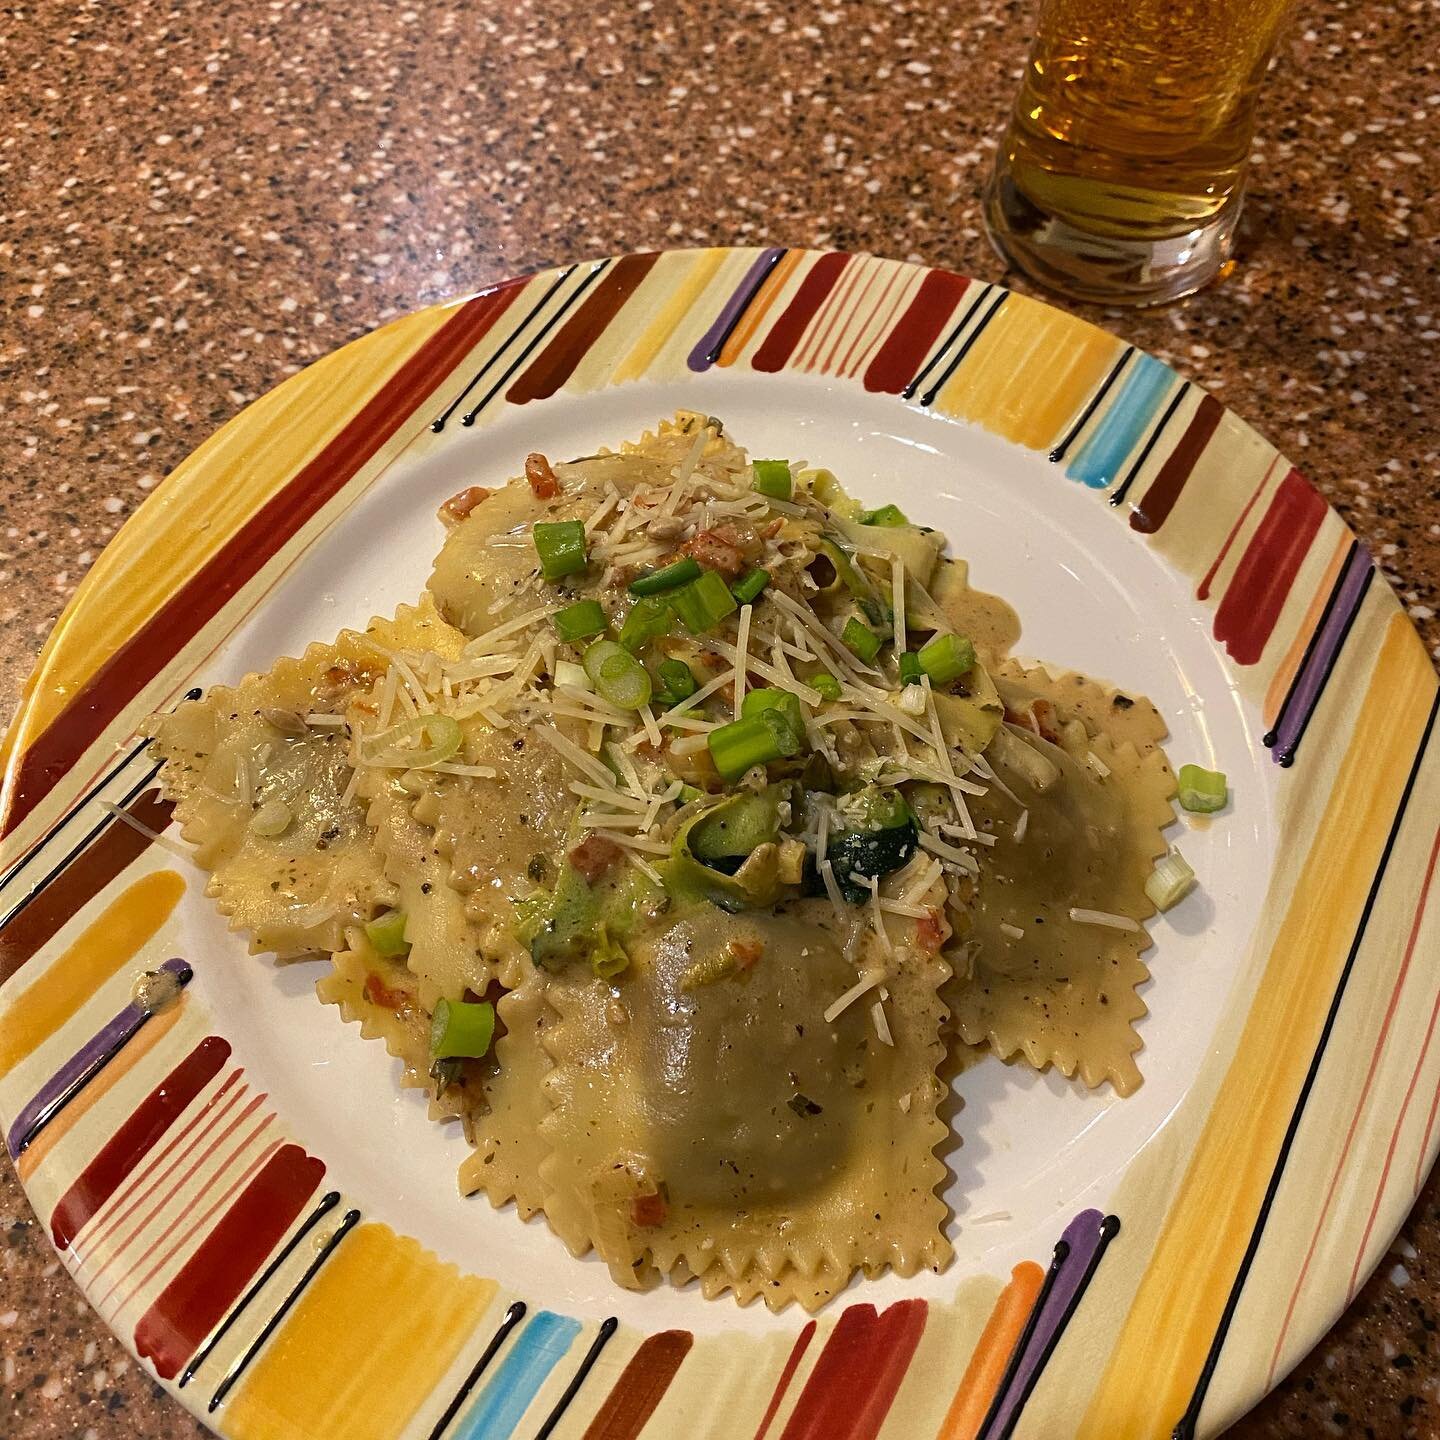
<point x="1121" y="174"/>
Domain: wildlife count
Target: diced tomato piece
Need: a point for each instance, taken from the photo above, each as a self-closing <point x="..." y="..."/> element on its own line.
<point x="745" y="953"/>
<point x="648" y="1211"/>
<point x="594" y="856"/>
<point x="377" y="992"/>
<point x="931" y="931"/>
<point x="716" y="550"/>
<point x="458" y="506"/>
<point x="541" y="476"/>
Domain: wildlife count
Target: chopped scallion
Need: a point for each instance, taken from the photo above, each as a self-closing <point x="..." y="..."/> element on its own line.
<point x="748" y="587"/>
<point x="618" y="676"/>
<point x="736" y="747"/>
<point x="1169" y="881"/>
<point x="945" y="658"/>
<point x="668" y="577"/>
<point x="386" y="934"/>
<point x="861" y="639"/>
<point x="650" y="617"/>
<point x="772" y="478"/>
<point x="579" y="621"/>
<point x="758" y="701"/>
<point x="561" y="547"/>
<point x="704" y="603"/>
<point x="887" y="515"/>
<point x="910" y="668"/>
<point x="679" y="682"/>
<point x="461" y="1029"/>
<point x="826" y="684"/>
<point x="1202" y="791"/>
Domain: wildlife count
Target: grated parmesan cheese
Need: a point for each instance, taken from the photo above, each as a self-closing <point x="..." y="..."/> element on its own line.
<point x="1081" y="916"/>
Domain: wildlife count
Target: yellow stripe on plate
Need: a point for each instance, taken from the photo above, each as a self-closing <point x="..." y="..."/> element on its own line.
<point x="1030" y="372"/>
<point x="108" y="944"/>
<point x="1178" y="1305"/>
<point x="684" y="292"/>
<point x="364" y="1347"/>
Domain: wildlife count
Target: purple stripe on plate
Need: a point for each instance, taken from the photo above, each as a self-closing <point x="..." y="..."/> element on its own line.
<point x="1321" y="660"/>
<point x="83" y="1066"/>
<point x="705" y="354"/>
<point x="1085" y="1235"/>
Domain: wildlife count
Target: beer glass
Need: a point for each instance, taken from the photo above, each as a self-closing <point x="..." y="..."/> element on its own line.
<point x="1120" y="176"/>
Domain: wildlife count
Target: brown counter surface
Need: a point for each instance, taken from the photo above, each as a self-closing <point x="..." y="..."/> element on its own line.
<point x="196" y="201"/>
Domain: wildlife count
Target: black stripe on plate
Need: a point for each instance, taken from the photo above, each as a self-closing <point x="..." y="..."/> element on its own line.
<point x="928" y="398"/>
<point x="1124" y="488"/>
<point x="607" y="1329"/>
<point x="1269" y="738"/>
<point x="713" y="353"/>
<point x="1096" y="400"/>
<point x="327" y="1203"/>
<point x="908" y="393"/>
<point x="1012" y="1366"/>
<point x="1109" y="1229"/>
<point x="596" y="270"/>
<point x="352" y="1218"/>
<point x="513" y="1316"/>
<point x="1185" y="1426"/>
<point x="438" y="424"/>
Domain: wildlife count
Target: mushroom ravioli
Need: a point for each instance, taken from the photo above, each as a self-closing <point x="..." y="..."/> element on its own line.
<point x="672" y="839"/>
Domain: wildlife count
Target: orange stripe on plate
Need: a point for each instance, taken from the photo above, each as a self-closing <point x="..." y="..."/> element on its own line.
<point x="1178" y="1304"/>
<point x="992" y="1353"/>
<point x="108" y="944"/>
<point x="759" y="307"/>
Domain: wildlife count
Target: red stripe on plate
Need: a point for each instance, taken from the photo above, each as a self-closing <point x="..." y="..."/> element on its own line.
<point x="786" y="332"/>
<point x="907" y="345"/>
<point x="215" y="1276"/>
<point x="640" y="1387"/>
<point x="135" y="1138"/>
<point x="1159" y="500"/>
<point x="79" y="883"/>
<point x="201" y="598"/>
<point x="1256" y="593"/>
<point x="792" y="1364"/>
<point x="853" y="1384"/>
<point x="559" y="358"/>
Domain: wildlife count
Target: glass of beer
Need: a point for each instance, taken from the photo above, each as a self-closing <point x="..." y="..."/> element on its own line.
<point x="1121" y="174"/>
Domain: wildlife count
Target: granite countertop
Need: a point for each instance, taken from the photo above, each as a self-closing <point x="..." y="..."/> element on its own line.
<point x="196" y="201"/>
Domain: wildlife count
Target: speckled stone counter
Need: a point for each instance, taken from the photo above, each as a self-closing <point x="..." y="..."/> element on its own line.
<point x="196" y="201"/>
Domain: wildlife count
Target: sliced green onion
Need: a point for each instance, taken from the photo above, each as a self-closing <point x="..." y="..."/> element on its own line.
<point x="561" y="547"/>
<point x="826" y="684"/>
<point x="567" y="672"/>
<point x="679" y="681"/>
<point x="910" y="668"/>
<point x="439" y="737"/>
<point x="704" y="603"/>
<point x="1171" y="878"/>
<point x="668" y="577"/>
<point x="886" y="515"/>
<point x="757" y="701"/>
<point x="618" y="676"/>
<point x="1202" y="791"/>
<point x="649" y="618"/>
<point x="579" y="621"/>
<point x="748" y="587"/>
<point x="736" y="747"/>
<point x="772" y="478"/>
<point x="462" y="1029"/>
<point x="386" y="934"/>
<point x="861" y="639"/>
<point x="689" y="793"/>
<point x="946" y="658"/>
<point x="787" y="732"/>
